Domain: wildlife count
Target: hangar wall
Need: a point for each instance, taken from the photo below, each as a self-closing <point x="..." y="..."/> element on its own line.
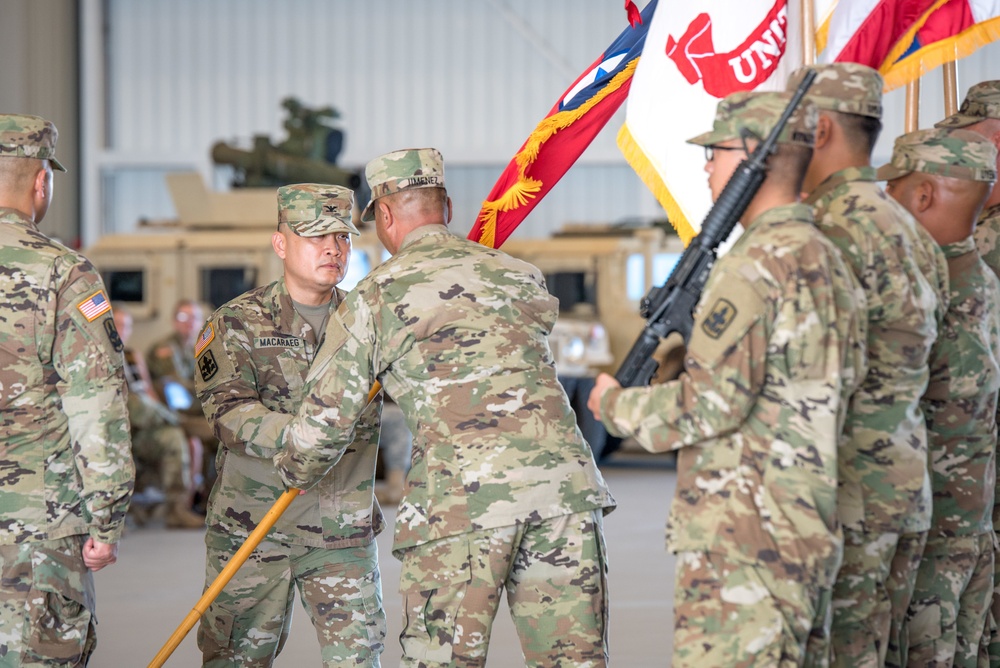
<point x="472" y="78"/>
<point x="163" y="80"/>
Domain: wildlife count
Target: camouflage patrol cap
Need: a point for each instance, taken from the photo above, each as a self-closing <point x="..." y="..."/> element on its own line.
<point x="758" y="113"/>
<point x="23" y="136"/>
<point x="981" y="102"/>
<point x="849" y="88"/>
<point x="314" y="209"/>
<point x="959" y="154"/>
<point x="402" y="170"/>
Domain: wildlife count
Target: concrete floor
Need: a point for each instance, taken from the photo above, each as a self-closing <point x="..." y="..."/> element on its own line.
<point x="159" y="577"/>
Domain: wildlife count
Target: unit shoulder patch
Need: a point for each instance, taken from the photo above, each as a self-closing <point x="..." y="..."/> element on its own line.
<point x="207" y="366"/>
<point x="721" y="315"/>
<point x="113" y="336"/>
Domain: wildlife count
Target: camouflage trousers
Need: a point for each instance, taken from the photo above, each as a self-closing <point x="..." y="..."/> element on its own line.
<point x="948" y="612"/>
<point x="871" y="596"/>
<point x="164" y="449"/>
<point x="46" y="604"/>
<point x="729" y="614"/>
<point x="555" y="574"/>
<point x="993" y="619"/>
<point x="248" y="624"/>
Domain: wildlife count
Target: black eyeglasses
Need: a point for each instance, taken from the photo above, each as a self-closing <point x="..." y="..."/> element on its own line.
<point x="711" y="149"/>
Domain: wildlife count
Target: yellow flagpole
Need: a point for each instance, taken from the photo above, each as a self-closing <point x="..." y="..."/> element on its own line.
<point x="950" y="71"/>
<point x="220" y="582"/>
<point x="911" y="120"/>
<point x="808" y="33"/>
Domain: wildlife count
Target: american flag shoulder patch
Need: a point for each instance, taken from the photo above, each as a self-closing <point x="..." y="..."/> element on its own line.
<point x="206" y="337"/>
<point x="94" y="306"/>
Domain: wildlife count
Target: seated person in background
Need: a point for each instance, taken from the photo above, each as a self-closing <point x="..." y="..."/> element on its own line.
<point x="158" y="443"/>
<point x="171" y="367"/>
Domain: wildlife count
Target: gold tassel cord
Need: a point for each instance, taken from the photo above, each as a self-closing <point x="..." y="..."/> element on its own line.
<point x="527" y="188"/>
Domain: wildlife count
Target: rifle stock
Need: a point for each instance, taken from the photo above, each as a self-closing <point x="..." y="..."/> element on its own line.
<point x="670" y="307"/>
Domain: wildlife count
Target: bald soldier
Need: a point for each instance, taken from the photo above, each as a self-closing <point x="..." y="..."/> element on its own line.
<point x="884" y="495"/>
<point x="943" y="177"/>
<point x="503" y="493"/>
<point x="252" y="360"/>
<point x="777" y="348"/>
<point x="980" y="113"/>
<point x="64" y="433"/>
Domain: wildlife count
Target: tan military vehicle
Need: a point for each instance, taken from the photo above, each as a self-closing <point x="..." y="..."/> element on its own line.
<point x="218" y="248"/>
<point x="600" y="275"/>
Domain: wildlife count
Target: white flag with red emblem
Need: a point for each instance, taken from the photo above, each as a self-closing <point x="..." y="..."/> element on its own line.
<point x="695" y="54"/>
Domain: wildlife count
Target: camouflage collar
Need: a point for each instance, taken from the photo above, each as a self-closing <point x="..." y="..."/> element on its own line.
<point x="286" y="318"/>
<point x="415" y="235"/>
<point x="839" y="178"/>
<point x="990" y="212"/>
<point x="959" y="248"/>
<point x="15" y="216"/>
<point x="796" y="211"/>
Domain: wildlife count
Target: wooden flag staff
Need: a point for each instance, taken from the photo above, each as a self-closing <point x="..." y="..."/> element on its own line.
<point x="220" y="582"/>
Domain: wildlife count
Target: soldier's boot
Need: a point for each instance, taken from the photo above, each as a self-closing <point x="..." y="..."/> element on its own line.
<point x="390" y="491"/>
<point x="180" y="517"/>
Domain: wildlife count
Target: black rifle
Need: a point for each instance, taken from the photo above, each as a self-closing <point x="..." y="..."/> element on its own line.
<point x="670" y="307"/>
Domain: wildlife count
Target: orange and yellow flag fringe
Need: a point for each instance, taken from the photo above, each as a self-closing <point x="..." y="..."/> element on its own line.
<point x="526" y="188"/>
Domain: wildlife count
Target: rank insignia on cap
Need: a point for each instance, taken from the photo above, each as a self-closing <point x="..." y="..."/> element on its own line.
<point x="719" y="318"/>
<point x="207" y="366"/>
<point x="94" y="306"/>
<point x="206" y="337"/>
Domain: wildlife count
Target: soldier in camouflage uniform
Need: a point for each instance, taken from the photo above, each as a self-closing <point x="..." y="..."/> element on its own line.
<point x="980" y="113"/>
<point x="503" y="492"/>
<point x="252" y="360"/>
<point x="64" y="432"/>
<point x="943" y="177"/>
<point x="776" y="349"/>
<point x="884" y="499"/>
<point x="158" y="442"/>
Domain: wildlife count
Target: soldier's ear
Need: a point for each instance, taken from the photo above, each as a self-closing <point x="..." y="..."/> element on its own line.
<point x="278" y="244"/>
<point x="924" y="195"/>
<point x="824" y="128"/>
<point x="447" y="218"/>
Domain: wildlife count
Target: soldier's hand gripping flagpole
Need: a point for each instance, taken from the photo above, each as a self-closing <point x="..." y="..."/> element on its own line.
<point x="220" y="582"/>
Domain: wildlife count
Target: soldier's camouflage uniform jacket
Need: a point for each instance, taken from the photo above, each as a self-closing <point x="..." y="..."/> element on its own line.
<point x="961" y="399"/>
<point x="252" y="360"/>
<point x="884" y="482"/>
<point x="988" y="236"/>
<point x="66" y="456"/>
<point x="456" y="332"/>
<point x="988" y="244"/>
<point x="777" y="348"/>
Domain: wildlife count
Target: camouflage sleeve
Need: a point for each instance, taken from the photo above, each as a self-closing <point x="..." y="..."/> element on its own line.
<point x="87" y="355"/>
<point x="226" y="382"/>
<point x="336" y="394"/>
<point x="724" y="372"/>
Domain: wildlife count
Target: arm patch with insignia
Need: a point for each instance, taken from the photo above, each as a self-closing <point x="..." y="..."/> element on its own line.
<point x="719" y="318"/>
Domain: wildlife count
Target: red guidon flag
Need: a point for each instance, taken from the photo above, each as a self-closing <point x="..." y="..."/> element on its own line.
<point x="904" y="39"/>
<point x="695" y="54"/>
<point x="559" y="139"/>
